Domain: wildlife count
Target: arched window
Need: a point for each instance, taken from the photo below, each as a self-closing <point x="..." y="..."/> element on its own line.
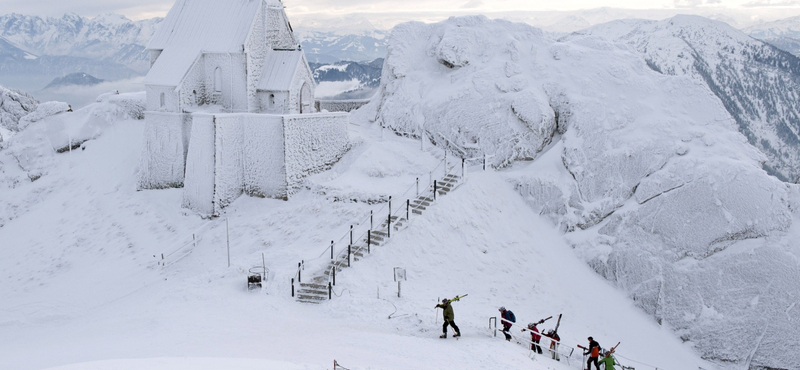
<point x="161" y="100"/>
<point x="218" y="80"/>
<point x="305" y="99"/>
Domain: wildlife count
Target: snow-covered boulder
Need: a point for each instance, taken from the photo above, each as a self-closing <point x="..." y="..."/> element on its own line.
<point x="35" y="147"/>
<point x="43" y="110"/>
<point x="649" y="177"/>
<point x="13" y="106"/>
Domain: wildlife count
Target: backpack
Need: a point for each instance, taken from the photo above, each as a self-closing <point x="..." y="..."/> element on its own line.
<point x="511" y="316"/>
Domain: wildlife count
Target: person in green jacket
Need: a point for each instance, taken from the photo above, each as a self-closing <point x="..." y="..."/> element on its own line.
<point x="608" y="361"/>
<point x="447" y="313"/>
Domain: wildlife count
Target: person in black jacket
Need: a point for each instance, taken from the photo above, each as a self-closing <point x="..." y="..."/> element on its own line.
<point x="594" y="353"/>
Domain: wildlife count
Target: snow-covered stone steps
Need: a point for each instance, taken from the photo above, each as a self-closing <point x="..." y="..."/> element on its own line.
<point x="312" y="292"/>
<point x="316" y="293"/>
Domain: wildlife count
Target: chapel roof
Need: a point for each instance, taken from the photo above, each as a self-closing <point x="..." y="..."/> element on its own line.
<point x="279" y="70"/>
<point x="193" y="27"/>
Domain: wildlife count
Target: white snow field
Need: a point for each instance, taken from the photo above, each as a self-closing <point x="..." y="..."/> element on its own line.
<point x="82" y="290"/>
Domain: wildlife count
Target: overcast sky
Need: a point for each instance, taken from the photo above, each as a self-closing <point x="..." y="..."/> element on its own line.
<point x="141" y="9"/>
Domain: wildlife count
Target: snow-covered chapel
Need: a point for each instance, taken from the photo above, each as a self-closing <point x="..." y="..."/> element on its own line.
<point x="230" y="106"/>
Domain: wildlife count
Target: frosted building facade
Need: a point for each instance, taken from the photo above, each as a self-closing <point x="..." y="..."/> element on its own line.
<point x="230" y="106"/>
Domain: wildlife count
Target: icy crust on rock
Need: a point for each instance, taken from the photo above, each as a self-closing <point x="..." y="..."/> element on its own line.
<point x="649" y="175"/>
<point x="450" y="82"/>
<point x="14" y="105"/>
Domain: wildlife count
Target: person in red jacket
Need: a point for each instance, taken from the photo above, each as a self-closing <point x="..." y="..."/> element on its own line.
<point x="507" y="318"/>
<point x="535" y="337"/>
<point x="594" y="353"/>
<point x="555" y="340"/>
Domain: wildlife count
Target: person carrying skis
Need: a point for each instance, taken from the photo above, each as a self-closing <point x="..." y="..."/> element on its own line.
<point x="594" y="353"/>
<point x="507" y="318"/>
<point x="608" y="361"/>
<point x="554" y="340"/>
<point x="535" y="337"/>
<point x="448" y="315"/>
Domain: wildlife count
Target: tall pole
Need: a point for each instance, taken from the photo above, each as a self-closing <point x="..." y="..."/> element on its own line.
<point x="228" y="241"/>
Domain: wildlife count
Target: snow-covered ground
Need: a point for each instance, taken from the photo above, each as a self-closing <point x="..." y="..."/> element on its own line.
<point x="81" y="285"/>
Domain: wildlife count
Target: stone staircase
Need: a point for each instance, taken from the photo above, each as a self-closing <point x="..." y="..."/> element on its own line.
<point x="316" y="290"/>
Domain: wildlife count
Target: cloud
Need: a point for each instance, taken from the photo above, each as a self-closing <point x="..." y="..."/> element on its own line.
<point x="80" y="96"/>
<point x="771" y="3"/>
<point x="472" y="4"/>
<point x="695" y="3"/>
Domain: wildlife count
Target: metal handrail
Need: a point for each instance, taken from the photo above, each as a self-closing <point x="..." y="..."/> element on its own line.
<point x="196" y="238"/>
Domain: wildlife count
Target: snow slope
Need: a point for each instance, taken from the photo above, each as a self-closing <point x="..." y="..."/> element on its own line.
<point x="80" y="281"/>
<point x="646" y="172"/>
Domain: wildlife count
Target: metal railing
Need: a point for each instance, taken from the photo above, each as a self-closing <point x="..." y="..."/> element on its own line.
<point x="180" y="249"/>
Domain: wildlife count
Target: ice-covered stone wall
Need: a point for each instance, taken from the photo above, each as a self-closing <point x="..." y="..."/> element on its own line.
<point x="340" y="105"/>
<point x="162" y="99"/>
<point x="192" y="89"/>
<point x="256" y="48"/>
<point x="258" y="155"/>
<point x="302" y="77"/>
<point x="232" y="90"/>
<point x="313" y="143"/>
<point x="198" y="189"/>
<point x="264" y="173"/>
<point x="166" y="139"/>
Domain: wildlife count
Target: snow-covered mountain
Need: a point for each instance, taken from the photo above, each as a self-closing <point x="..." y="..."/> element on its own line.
<point x="644" y="171"/>
<point x="784" y="33"/>
<point x="788" y="27"/>
<point x="77" y="79"/>
<point x="110" y="37"/>
<point x="331" y="47"/>
<point x="347" y="80"/>
<point x="757" y="82"/>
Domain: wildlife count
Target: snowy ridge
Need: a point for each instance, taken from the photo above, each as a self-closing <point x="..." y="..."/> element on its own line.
<point x="755" y="81"/>
<point x="648" y="175"/>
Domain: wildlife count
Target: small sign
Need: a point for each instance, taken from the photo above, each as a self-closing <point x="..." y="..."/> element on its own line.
<point x="399" y="274"/>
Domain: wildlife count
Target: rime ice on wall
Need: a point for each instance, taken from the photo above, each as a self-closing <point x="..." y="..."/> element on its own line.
<point x="340" y="105"/>
<point x="164" y="153"/>
<point x="675" y="207"/>
<point x="264" y="173"/>
<point x="258" y="155"/>
<point x="198" y="189"/>
<point x="313" y="143"/>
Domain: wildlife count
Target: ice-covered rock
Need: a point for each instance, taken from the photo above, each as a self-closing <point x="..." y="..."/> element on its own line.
<point x="13" y="106"/>
<point x="649" y="177"/>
